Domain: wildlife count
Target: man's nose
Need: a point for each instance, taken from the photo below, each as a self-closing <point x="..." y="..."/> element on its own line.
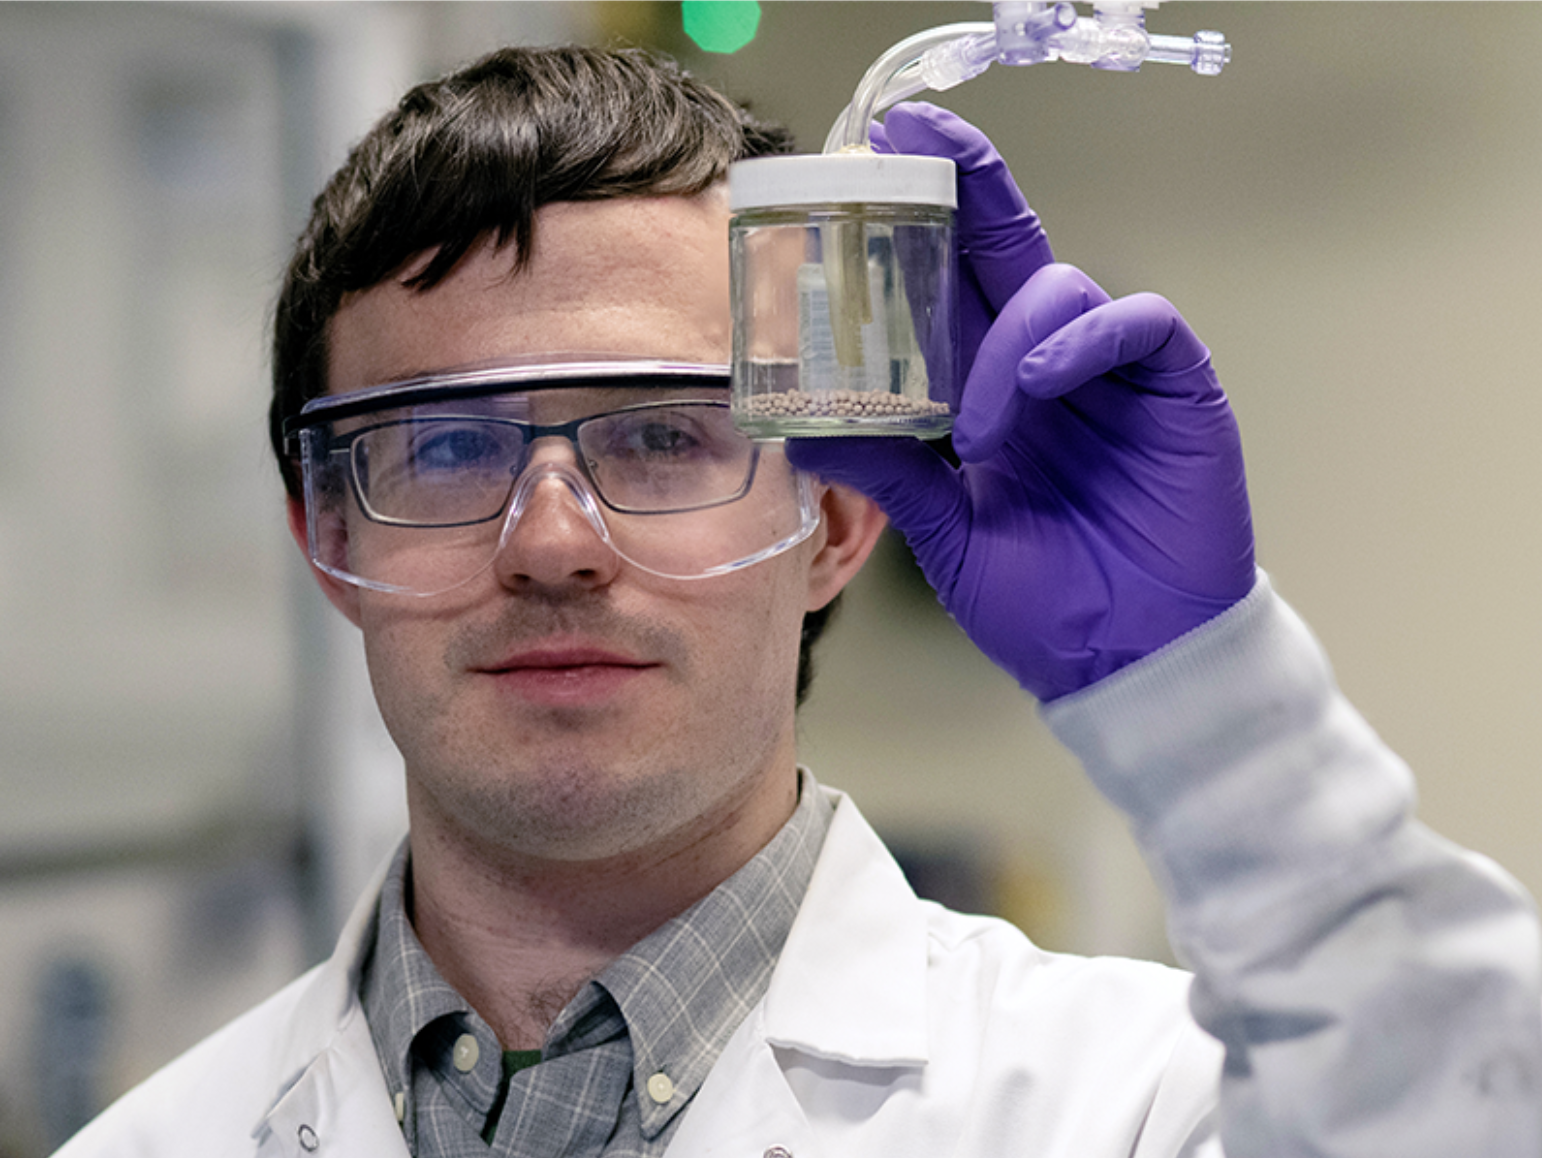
<point x="554" y="532"/>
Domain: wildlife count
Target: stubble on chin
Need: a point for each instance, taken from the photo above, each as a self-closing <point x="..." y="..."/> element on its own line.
<point x="573" y="783"/>
<point x="550" y="781"/>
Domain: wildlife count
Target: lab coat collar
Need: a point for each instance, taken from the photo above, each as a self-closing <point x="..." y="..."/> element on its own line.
<point x="851" y="982"/>
<point x="336" y="1088"/>
<point x="339" y="1103"/>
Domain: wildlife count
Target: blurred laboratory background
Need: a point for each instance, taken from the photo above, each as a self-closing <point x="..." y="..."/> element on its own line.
<point x="195" y="783"/>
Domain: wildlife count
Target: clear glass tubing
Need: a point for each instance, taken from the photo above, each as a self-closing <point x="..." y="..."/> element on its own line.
<point x="1024" y="32"/>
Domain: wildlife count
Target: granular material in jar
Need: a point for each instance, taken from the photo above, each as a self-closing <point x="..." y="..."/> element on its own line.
<point x="841" y="404"/>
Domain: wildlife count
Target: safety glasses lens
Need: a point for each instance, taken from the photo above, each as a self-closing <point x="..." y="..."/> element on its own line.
<point x="421" y="499"/>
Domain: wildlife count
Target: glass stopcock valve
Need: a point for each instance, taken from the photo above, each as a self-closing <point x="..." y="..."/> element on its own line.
<point x="843" y="270"/>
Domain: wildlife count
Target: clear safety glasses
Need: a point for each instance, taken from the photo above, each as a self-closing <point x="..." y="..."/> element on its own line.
<point x="415" y="487"/>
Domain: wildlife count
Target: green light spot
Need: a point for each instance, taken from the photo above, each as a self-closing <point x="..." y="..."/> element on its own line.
<point x="720" y="25"/>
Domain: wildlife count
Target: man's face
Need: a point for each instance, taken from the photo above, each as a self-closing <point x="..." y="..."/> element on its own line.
<point x="564" y="704"/>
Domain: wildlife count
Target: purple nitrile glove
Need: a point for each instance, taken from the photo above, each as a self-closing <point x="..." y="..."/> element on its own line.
<point x="999" y="236"/>
<point x="1101" y="509"/>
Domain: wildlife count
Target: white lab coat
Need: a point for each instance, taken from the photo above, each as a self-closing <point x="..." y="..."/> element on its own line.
<point x="892" y="1028"/>
<point x="1376" y="989"/>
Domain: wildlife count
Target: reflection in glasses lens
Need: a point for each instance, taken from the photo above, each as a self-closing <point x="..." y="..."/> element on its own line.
<point x="667" y="457"/>
<point x="452" y="470"/>
<point x="418" y="499"/>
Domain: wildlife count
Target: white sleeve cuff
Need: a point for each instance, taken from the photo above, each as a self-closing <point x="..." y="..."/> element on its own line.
<point x="1236" y="757"/>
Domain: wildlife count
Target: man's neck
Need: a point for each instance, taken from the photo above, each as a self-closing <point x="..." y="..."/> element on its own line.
<point x="518" y="937"/>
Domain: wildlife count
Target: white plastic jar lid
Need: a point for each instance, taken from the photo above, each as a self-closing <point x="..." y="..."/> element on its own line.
<point x="840" y="178"/>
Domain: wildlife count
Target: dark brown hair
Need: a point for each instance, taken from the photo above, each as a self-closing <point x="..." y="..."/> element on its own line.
<point x="476" y="153"/>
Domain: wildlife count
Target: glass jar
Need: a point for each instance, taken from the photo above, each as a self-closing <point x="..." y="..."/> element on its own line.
<point x="843" y="284"/>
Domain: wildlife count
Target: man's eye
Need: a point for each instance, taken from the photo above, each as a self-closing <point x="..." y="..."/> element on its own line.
<point x="662" y="438"/>
<point x="456" y="449"/>
<point x="658" y="437"/>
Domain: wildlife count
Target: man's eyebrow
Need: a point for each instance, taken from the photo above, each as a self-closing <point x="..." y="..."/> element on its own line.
<point x="410" y="374"/>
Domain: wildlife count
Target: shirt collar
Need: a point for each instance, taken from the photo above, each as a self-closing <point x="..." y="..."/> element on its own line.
<point x="402" y="992"/>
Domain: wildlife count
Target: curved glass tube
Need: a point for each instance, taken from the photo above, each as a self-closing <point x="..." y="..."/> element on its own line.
<point x="1114" y="39"/>
<point x="893" y="77"/>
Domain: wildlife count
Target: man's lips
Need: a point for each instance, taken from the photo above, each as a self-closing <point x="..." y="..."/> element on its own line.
<point x="568" y="676"/>
<point x="567" y="658"/>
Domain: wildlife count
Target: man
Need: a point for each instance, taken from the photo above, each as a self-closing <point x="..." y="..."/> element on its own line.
<point x="625" y="921"/>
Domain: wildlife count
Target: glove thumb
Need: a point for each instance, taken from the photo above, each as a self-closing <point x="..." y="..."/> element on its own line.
<point x="918" y="490"/>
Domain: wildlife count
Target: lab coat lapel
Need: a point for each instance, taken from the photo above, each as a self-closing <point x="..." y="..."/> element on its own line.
<point x="851" y="982"/>
<point x="339" y="1103"/>
<point x="745" y="1109"/>
<point x="850" y="987"/>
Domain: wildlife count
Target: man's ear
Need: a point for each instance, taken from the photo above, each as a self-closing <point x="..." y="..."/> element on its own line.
<point x="850" y="525"/>
<point x="343" y="596"/>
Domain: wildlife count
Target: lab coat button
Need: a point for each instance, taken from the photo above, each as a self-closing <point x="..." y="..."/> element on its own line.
<point x="467" y="1053"/>
<point x="660" y="1088"/>
<point x="777" y="1152"/>
<point x="308" y="1140"/>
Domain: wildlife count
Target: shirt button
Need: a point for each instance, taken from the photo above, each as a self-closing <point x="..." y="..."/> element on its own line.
<point x="660" y="1088"/>
<point x="467" y="1053"/>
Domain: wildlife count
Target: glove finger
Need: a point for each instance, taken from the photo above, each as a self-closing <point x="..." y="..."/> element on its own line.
<point x="1142" y="333"/>
<point x="993" y="399"/>
<point x="913" y="484"/>
<point x="999" y="236"/>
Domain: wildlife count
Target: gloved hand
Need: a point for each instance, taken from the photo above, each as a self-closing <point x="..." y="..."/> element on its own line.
<point x="1101" y="509"/>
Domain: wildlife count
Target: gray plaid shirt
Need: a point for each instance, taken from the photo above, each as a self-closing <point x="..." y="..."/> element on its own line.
<point x="630" y="1050"/>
